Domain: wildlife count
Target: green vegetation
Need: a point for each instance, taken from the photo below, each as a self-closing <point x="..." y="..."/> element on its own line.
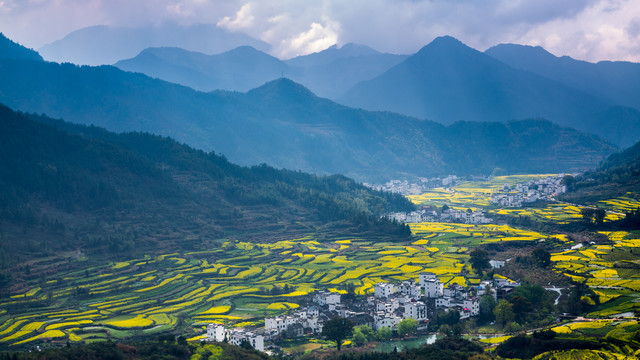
<point x="284" y="125"/>
<point x="102" y="195"/>
<point x="338" y="330"/>
<point x="617" y="177"/>
<point x="163" y="347"/>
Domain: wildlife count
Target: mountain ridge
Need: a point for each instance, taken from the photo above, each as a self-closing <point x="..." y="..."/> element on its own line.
<point x="12" y="50"/>
<point x="328" y="73"/>
<point x="285" y="125"/>
<point x="102" y="44"/>
<point x="448" y="81"/>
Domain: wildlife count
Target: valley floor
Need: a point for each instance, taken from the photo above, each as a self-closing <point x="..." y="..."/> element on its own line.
<point x="239" y="283"/>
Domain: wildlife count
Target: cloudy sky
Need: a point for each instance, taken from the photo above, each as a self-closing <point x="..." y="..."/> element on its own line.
<point x="591" y="30"/>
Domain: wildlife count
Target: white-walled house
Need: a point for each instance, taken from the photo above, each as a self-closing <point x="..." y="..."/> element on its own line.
<point x="473" y="305"/>
<point x="432" y="286"/>
<point x="235" y="336"/>
<point x="415" y="310"/>
<point x="408" y="288"/>
<point x="323" y="298"/>
<point x="238" y="335"/>
<point x="216" y="332"/>
<point x="389" y="320"/>
<point x="279" y="323"/>
<point x="383" y="290"/>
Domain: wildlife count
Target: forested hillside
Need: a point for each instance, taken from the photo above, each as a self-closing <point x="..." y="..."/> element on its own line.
<point x="67" y="187"/>
<point x="618" y="175"/>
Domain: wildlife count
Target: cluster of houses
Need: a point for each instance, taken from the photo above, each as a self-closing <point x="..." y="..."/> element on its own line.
<point x="389" y="305"/>
<point x="531" y="191"/>
<point x="406" y="187"/>
<point x="427" y="214"/>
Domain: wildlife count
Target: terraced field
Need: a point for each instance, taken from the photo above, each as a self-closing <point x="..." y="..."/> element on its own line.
<point x="476" y="195"/>
<point x="612" y="271"/>
<point x="234" y="283"/>
<point x="239" y="282"/>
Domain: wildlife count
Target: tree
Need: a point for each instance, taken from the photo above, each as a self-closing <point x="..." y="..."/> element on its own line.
<point x="479" y="260"/>
<point x="536" y="294"/>
<point x="487" y="305"/>
<point x="358" y="337"/>
<point x="407" y="326"/>
<point x="367" y="332"/>
<point x="456" y="330"/>
<point x="587" y="214"/>
<point x="521" y="307"/>
<point x="595" y="216"/>
<point x="384" y="333"/>
<point x="599" y="215"/>
<point x="445" y="330"/>
<point x="503" y="312"/>
<point x="541" y="257"/>
<point x="338" y="329"/>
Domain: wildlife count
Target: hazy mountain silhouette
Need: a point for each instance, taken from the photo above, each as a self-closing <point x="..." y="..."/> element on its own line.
<point x="284" y="124"/>
<point x="617" y="81"/>
<point x="328" y="73"/>
<point x="240" y="69"/>
<point x="447" y="81"/>
<point x="98" y="45"/>
<point x="12" y="50"/>
<point x="332" y="54"/>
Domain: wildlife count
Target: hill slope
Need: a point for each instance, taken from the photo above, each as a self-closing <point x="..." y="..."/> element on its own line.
<point x="447" y="81"/>
<point x="65" y="187"/>
<point x="99" y="45"/>
<point x="285" y="125"/>
<point x="617" y="176"/>
<point x="12" y="50"/>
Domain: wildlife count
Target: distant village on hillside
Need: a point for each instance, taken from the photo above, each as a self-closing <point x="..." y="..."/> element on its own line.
<point x="544" y="189"/>
<point x="389" y="305"/>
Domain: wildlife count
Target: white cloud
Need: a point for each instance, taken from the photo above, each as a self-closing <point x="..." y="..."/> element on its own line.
<point x="243" y="19"/>
<point x="585" y="29"/>
<point x="317" y="38"/>
<point x="601" y="31"/>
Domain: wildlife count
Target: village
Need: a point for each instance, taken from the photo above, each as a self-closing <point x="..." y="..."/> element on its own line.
<point x="387" y="307"/>
<point x="406" y="187"/>
<point x="531" y="191"/>
<point x="545" y="189"/>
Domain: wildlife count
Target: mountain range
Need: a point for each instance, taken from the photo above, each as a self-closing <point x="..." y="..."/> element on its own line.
<point x="445" y="81"/>
<point x="101" y="45"/>
<point x="615" y="81"/>
<point x="448" y="81"/>
<point x="328" y="73"/>
<point x="285" y="125"/>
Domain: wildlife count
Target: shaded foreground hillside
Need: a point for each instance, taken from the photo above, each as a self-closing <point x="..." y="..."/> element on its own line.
<point x="617" y="176"/>
<point x="285" y="125"/>
<point x="101" y="194"/>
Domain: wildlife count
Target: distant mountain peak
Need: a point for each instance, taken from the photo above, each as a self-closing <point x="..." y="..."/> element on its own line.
<point x="445" y="44"/>
<point x="331" y="54"/>
<point x="284" y="88"/>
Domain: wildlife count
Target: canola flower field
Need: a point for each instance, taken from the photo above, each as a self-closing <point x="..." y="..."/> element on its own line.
<point x="234" y="283"/>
